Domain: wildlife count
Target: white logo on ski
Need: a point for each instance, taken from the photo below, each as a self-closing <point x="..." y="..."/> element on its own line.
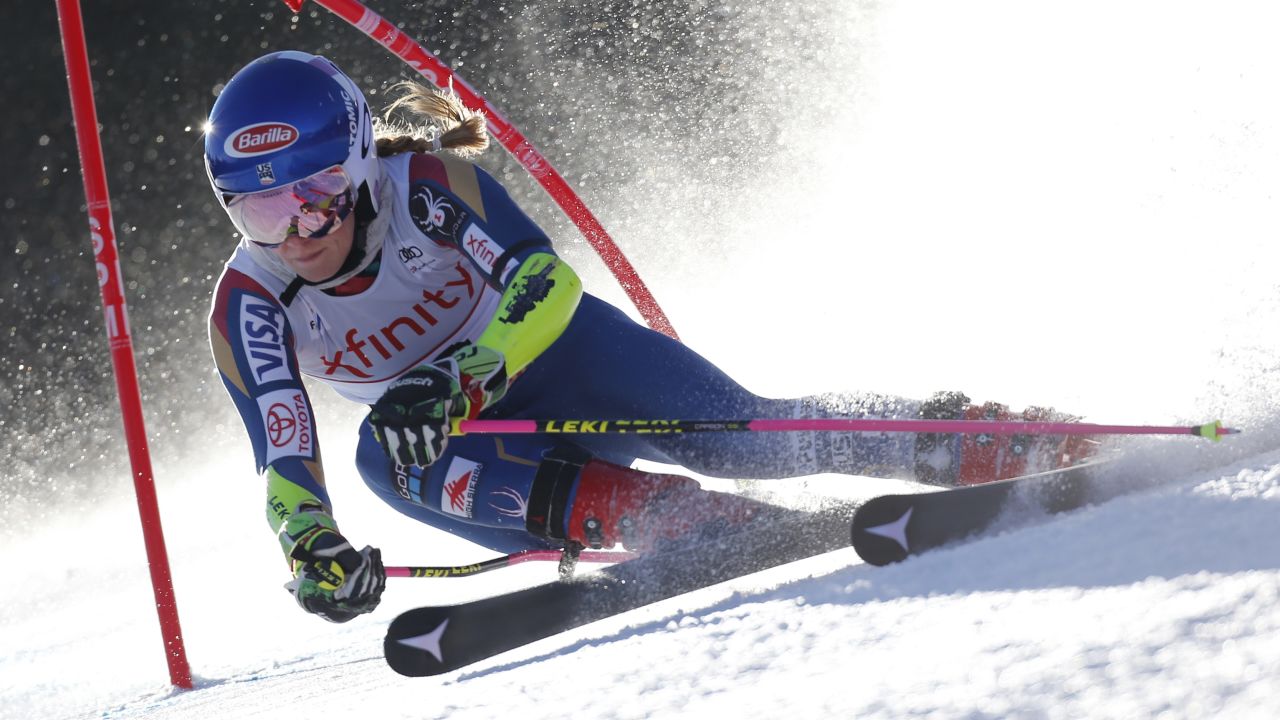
<point x="429" y="642"/>
<point x="895" y="531"/>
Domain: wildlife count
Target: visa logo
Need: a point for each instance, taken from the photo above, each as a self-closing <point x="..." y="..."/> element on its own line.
<point x="262" y="339"/>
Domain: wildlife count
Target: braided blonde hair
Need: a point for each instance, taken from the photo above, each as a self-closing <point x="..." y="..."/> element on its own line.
<point x="444" y="123"/>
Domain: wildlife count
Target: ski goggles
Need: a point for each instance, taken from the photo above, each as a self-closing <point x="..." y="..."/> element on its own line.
<point x="309" y="208"/>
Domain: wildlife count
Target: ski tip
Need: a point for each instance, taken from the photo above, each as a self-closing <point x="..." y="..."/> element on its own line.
<point x="1214" y="431"/>
<point x="879" y="531"/>
<point x="415" y="644"/>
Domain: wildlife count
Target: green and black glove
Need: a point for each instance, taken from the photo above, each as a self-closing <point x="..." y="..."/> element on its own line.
<point x="413" y="418"/>
<point x="330" y="578"/>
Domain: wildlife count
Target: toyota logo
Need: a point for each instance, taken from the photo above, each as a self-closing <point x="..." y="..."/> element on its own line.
<point x="281" y="425"/>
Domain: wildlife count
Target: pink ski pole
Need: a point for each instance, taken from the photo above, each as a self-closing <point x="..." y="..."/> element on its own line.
<point x="1212" y="430"/>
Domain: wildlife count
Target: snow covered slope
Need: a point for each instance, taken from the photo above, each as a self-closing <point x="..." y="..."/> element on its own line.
<point x="1161" y="602"/>
<point x="1066" y="204"/>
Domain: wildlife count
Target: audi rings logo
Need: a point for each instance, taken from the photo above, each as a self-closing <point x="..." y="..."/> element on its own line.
<point x="281" y="425"/>
<point x="410" y="253"/>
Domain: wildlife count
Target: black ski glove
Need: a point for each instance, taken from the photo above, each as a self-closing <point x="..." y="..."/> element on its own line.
<point x="413" y="418"/>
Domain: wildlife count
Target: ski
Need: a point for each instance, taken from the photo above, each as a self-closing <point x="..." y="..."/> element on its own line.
<point x="439" y="639"/>
<point x="891" y="528"/>
<point x="885" y="529"/>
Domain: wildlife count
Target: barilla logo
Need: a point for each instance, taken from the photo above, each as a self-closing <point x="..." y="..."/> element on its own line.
<point x="260" y="139"/>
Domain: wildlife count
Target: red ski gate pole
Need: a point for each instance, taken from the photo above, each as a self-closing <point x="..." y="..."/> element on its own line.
<point x="430" y="67"/>
<point x="102" y="231"/>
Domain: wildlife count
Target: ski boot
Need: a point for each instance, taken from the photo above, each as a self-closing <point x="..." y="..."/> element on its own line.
<point x="970" y="459"/>
<point x="596" y="504"/>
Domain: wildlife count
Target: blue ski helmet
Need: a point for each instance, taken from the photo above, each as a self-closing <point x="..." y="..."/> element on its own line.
<point x="285" y="117"/>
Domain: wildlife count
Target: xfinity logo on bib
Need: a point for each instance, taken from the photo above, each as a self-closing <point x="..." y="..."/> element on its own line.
<point x="262" y="340"/>
<point x="260" y="139"/>
<point x="459" y="493"/>
<point x="480" y="247"/>
<point x="423" y="326"/>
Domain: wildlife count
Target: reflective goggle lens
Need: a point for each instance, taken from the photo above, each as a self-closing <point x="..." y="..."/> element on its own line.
<point x="311" y="207"/>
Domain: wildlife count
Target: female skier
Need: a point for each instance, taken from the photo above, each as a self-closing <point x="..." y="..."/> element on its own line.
<point x="404" y="277"/>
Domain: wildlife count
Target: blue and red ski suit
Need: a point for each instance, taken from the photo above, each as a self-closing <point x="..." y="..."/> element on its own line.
<point x="448" y="238"/>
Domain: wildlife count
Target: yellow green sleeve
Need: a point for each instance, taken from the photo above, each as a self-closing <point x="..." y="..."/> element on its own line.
<point x="537" y="306"/>
<point x="283" y="499"/>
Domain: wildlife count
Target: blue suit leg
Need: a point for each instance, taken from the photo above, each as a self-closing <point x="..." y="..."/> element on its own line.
<point x="607" y="366"/>
<point x="478" y="490"/>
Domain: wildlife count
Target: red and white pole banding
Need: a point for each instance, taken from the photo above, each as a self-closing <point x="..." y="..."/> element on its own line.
<point x="435" y="71"/>
<point x="102" y="232"/>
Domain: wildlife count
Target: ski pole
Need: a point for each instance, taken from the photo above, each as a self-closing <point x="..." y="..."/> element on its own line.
<point x="433" y="69"/>
<point x="593" y="556"/>
<point x="1211" y="431"/>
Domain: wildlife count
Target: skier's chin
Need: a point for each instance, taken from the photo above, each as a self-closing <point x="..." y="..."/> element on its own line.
<point x="317" y="267"/>
<point x="318" y="259"/>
